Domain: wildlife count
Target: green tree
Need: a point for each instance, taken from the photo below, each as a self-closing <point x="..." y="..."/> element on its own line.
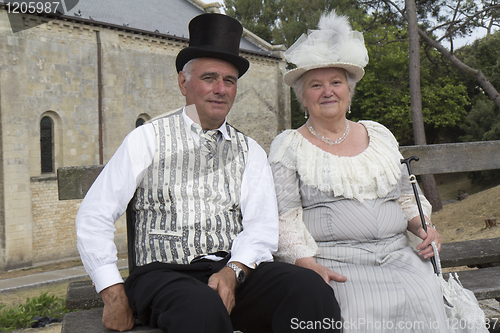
<point x="283" y="21"/>
<point x="449" y="19"/>
<point x="383" y="94"/>
<point x="483" y="54"/>
<point x="483" y="121"/>
<point x="483" y="118"/>
<point x="258" y="16"/>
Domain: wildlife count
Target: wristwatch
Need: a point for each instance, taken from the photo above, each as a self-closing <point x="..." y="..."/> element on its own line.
<point x="430" y="225"/>
<point x="240" y="274"/>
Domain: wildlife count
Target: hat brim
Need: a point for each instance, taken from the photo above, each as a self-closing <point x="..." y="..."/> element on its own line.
<point x="293" y="75"/>
<point x="193" y="52"/>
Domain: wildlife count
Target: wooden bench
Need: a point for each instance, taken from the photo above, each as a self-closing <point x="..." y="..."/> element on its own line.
<point x="74" y="182"/>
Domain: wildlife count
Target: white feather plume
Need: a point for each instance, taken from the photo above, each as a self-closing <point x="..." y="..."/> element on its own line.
<point x="334" y="22"/>
<point x="334" y="44"/>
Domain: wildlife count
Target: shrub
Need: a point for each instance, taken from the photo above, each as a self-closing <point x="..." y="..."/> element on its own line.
<point x="22" y="316"/>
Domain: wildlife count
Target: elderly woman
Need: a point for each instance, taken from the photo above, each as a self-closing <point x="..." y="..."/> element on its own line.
<point x="345" y="200"/>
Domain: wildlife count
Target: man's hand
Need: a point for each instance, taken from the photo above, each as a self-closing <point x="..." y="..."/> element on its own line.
<point x="224" y="283"/>
<point x="324" y="272"/>
<point x="117" y="314"/>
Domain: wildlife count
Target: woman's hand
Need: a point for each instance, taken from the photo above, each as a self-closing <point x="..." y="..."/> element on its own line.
<point x="425" y="250"/>
<point x="324" y="272"/>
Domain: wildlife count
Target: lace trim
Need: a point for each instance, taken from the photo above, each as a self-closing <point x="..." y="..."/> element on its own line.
<point x="373" y="173"/>
<point x="295" y="241"/>
<point x="410" y="208"/>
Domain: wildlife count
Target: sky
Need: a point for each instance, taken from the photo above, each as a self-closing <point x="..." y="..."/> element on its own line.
<point x="459" y="42"/>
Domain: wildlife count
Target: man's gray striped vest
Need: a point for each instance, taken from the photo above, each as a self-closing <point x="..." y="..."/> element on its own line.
<point x="188" y="205"/>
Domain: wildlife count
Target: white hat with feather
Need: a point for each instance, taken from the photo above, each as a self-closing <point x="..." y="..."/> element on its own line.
<point x="334" y="44"/>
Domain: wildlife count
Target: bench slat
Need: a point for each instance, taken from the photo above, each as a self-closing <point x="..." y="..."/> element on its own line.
<point x="454" y="157"/>
<point x="82" y="295"/>
<point x="472" y="252"/>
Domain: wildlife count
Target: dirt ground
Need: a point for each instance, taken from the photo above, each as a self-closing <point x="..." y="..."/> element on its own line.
<point x="465" y="220"/>
<point x="457" y="221"/>
<point x="52" y="328"/>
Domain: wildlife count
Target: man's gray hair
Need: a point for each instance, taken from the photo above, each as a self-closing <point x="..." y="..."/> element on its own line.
<point x="298" y="87"/>
<point x="188" y="69"/>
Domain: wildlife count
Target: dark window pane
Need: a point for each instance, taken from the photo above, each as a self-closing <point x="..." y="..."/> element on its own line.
<point x="139" y="122"/>
<point x="46" y="145"/>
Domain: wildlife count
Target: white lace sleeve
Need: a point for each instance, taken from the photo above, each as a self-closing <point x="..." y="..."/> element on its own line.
<point x="407" y="199"/>
<point x="295" y="241"/>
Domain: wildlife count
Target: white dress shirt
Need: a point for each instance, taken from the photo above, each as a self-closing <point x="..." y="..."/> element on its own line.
<point x="110" y="194"/>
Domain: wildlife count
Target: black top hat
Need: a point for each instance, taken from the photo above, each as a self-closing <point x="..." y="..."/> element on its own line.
<point x="214" y="36"/>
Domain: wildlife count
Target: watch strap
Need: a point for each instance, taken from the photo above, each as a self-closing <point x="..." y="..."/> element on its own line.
<point x="240" y="274"/>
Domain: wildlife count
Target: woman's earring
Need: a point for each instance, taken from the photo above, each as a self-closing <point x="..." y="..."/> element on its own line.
<point x="305" y="114"/>
<point x="349" y="109"/>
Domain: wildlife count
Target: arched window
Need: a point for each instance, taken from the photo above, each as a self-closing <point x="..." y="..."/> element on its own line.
<point x="47" y="144"/>
<point x="139" y="122"/>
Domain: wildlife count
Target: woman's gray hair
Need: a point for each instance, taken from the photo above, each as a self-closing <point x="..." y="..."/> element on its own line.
<point x="298" y="87"/>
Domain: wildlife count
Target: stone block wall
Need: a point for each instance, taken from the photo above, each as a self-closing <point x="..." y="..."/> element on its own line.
<point x="53" y="222"/>
<point x="54" y="236"/>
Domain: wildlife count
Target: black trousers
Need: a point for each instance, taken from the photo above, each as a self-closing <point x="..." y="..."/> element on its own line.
<point x="276" y="297"/>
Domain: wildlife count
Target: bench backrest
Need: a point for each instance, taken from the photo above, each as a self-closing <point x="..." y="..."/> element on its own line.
<point x="454" y="157"/>
<point x="75" y="181"/>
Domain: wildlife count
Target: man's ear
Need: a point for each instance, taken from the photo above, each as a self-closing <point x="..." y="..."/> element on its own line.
<point x="181" y="79"/>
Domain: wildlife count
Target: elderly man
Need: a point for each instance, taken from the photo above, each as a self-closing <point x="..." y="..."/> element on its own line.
<point x="206" y="216"/>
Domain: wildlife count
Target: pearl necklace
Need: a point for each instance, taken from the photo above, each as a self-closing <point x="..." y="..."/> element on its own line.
<point x="328" y="140"/>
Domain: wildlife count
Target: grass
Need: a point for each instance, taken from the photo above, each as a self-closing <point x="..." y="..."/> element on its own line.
<point x="12" y="299"/>
<point x="22" y="316"/>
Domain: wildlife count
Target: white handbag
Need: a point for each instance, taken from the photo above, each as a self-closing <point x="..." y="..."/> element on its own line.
<point x="461" y="306"/>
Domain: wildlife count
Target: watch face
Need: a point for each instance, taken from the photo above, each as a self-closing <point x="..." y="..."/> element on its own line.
<point x="241" y="277"/>
<point x="240" y="274"/>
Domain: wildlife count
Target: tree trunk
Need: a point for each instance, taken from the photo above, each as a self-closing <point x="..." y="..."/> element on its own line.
<point x="427" y="181"/>
<point x="429" y="187"/>
<point x="415" y="92"/>
<point x="488" y="88"/>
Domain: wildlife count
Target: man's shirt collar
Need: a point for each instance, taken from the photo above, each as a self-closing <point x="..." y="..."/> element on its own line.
<point x="196" y="128"/>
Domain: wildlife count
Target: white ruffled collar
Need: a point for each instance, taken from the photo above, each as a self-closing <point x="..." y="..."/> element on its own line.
<point x="373" y="173"/>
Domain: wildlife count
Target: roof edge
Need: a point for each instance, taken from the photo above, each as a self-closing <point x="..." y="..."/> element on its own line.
<point x="213" y="7"/>
<point x="276" y="50"/>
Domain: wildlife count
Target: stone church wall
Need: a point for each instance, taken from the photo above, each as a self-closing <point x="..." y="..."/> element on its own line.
<point x="51" y="70"/>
